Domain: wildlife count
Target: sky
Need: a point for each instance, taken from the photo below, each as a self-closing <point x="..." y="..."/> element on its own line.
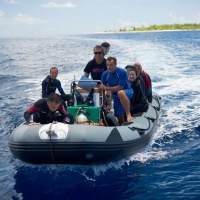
<point x="28" y="18"/>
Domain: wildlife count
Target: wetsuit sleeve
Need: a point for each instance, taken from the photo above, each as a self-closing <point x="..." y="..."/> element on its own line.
<point x="27" y="117"/>
<point x="63" y="112"/>
<point x="29" y="112"/>
<point x="60" y="89"/>
<point x="45" y="88"/>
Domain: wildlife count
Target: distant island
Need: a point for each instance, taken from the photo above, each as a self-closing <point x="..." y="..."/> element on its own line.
<point x="161" y="27"/>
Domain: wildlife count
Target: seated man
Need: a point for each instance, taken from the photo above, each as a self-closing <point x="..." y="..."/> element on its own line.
<point x="147" y="80"/>
<point x="115" y="79"/>
<point x="51" y="83"/>
<point x="44" y="110"/>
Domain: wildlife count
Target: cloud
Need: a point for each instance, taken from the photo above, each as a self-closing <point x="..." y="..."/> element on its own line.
<point x="125" y="23"/>
<point x="2" y="17"/>
<point x="26" y="19"/>
<point x="130" y="24"/>
<point x="197" y="18"/>
<point x="21" y="19"/>
<point x="11" y="1"/>
<point x="1" y="14"/>
<point x="58" y="5"/>
<point x="183" y="20"/>
<point x="178" y="20"/>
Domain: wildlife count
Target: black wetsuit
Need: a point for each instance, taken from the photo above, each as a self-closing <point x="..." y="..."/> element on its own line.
<point x="138" y="102"/>
<point x="50" y="85"/>
<point x="43" y="115"/>
<point x="95" y="69"/>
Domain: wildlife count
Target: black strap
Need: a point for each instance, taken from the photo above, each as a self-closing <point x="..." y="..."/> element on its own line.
<point x="79" y="97"/>
<point x="89" y="99"/>
<point x="52" y="155"/>
<point x="142" y="91"/>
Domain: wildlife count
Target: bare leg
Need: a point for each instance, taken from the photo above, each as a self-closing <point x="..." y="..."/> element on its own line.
<point x="125" y="103"/>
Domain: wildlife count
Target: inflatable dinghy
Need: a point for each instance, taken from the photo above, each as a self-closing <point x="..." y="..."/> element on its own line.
<point x="60" y="143"/>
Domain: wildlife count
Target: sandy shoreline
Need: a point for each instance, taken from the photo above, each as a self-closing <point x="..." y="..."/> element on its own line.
<point x="113" y="32"/>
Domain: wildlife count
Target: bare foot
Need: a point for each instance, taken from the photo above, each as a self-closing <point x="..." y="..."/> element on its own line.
<point x="129" y="118"/>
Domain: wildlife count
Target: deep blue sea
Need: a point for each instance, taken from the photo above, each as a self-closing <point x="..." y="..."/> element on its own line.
<point x="169" y="168"/>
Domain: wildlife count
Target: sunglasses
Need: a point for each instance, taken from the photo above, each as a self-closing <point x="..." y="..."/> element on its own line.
<point x="97" y="52"/>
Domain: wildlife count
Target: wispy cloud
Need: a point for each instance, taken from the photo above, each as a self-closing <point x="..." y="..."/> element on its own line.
<point x="26" y="19"/>
<point x="11" y="1"/>
<point x="21" y="19"/>
<point x="176" y="19"/>
<point x="197" y="18"/>
<point x="58" y="5"/>
<point x="130" y="24"/>
<point x="125" y="23"/>
<point x="1" y="14"/>
<point x="183" y="20"/>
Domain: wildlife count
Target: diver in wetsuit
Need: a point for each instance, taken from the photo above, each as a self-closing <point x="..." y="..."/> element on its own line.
<point x="147" y="81"/>
<point x="139" y="102"/>
<point x="44" y="111"/>
<point x="51" y="83"/>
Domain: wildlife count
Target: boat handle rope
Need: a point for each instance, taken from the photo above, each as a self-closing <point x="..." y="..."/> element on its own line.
<point x="50" y="132"/>
<point x="155" y="107"/>
<point x="150" y="118"/>
<point x="156" y="98"/>
<point x="139" y="130"/>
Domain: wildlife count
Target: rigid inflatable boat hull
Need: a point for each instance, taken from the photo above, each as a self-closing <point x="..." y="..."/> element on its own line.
<point x="83" y="144"/>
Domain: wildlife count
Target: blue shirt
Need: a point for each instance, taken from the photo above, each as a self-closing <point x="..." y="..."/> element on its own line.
<point x="119" y="77"/>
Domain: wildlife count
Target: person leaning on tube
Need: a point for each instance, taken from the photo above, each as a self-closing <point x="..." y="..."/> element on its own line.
<point x="44" y="111"/>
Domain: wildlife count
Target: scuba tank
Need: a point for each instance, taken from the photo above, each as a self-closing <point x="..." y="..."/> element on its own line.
<point x="84" y="116"/>
<point x="81" y="118"/>
<point x="108" y="118"/>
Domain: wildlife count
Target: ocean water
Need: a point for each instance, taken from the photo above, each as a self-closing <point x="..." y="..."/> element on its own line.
<point x="169" y="168"/>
